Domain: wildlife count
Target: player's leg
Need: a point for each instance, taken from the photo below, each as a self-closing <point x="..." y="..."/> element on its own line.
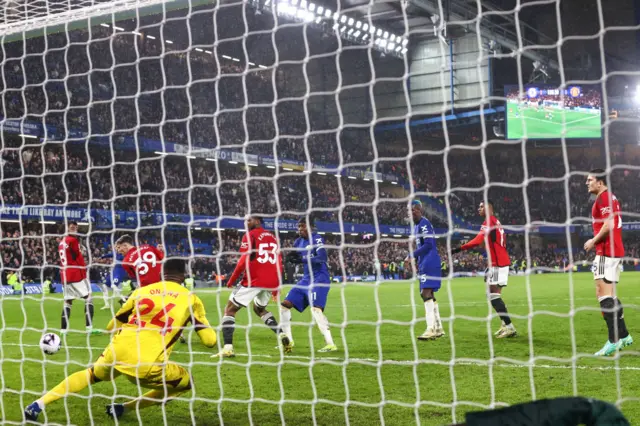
<point x="296" y="299"/>
<point x="105" y="295"/>
<point x="66" y="312"/>
<point x="607" y="275"/>
<point x="319" y="294"/>
<point x="229" y="327"/>
<point x="172" y="381"/>
<point x="497" y="278"/>
<point x="260" y="302"/>
<point x="101" y="371"/>
<point x="430" y="282"/>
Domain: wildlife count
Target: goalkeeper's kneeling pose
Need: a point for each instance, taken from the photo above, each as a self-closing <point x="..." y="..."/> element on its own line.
<point x="147" y="327"/>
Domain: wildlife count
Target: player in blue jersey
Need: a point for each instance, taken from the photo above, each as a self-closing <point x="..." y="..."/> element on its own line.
<point x="116" y="277"/>
<point x="427" y="261"/>
<point x="313" y="289"/>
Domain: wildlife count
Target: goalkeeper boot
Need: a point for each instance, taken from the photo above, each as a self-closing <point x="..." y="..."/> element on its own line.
<point x="508" y="331"/>
<point x="226" y="352"/>
<point x="627" y="341"/>
<point x="608" y="348"/>
<point x="32" y="411"/>
<point x="115" y="410"/>
<point x="328" y="348"/>
<point x="287" y="345"/>
<point x="430" y="334"/>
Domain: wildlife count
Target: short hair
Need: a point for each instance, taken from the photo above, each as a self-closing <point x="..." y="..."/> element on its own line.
<point x="490" y="202"/>
<point x="174" y="266"/>
<point x="125" y="239"/>
<point x="73" y="222"/>
<point x="311" y="221"/>
<point x="599" y="175"/>
<point x="258" y="218"/>
<point x="416" y="203"/>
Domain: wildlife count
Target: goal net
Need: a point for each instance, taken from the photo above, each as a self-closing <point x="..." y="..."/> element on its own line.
<point x="174" y="121"/>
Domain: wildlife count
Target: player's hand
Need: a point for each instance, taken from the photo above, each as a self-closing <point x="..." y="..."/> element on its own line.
<point x="456" y="250"/>
<point x="229" y="284"/>
<point x="588" y="246"/>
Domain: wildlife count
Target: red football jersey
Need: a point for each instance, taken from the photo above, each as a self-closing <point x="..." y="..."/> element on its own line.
<point x="607" y="204"/>
<point x="144" y="264"/>
<point x="496" y="244"/>
<point x="261" y="260"/>
<point x="74" y="269"/>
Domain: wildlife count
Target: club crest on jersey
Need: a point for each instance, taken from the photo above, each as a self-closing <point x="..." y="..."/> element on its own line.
<point x="244" y="245"/>
<point x="605" y="210"/>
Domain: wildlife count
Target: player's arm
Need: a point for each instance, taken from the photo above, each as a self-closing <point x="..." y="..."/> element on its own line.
<point x="320" y="256"/>
<point x="206" y="334"/>
<point x="74" y="249"/>
<point x="122" y="316"/>
<point x="429" y="244"/>
<point x="478" y="240"/>
<point x="245" y="250"/>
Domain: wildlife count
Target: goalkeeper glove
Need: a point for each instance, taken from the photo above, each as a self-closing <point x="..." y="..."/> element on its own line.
<point x="456" y="250"/>
<point x="294" y="257"/>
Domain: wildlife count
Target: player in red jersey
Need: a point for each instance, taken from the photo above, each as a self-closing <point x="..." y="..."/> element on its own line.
<point x="497" y="274"/>
<point x="261" y="263"/>
<point x="75" y="284"/>
<point x="607" y="242"/>
<point x="143" y="263"/>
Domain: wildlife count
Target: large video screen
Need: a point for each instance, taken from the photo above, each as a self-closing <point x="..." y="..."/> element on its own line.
<point x="548" y="112"/>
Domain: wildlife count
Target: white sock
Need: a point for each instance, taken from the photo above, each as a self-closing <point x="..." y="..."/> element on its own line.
<point x="323" y="325"/>
<point x="105" y="294"/>
<point x="40" y="403"/>
<point x="116" y="292"/>
<point x="285" y="321"/>
<point x="430" y="313"/>
<point x="436" y="312"/>
<point x="228" y="347"/>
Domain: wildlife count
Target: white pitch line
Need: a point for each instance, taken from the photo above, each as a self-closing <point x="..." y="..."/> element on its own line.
<point x="320" y="359"/>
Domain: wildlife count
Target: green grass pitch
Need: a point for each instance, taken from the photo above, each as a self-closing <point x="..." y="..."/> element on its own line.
<point x="435" y="382"/>
<point x="533" y="124"/>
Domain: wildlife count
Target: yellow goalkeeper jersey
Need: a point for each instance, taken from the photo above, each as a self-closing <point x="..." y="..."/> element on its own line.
<point x="150" y="323"/>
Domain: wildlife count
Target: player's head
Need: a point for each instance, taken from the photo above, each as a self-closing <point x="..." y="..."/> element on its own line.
<point x="124" y="244"/>
<point x="485" y="209"/>
<point x="303" y="229"/>
<point x="416" y="210"/>
<point x="596" y="181"/>
<point x="72" y="227"/>
<point x="254" y="222"/>
<point x="174" y="270"/>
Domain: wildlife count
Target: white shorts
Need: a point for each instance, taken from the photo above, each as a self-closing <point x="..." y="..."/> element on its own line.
<point x="607" y="268"/>
<point x="497" y="275"/>
<point x="242" y="296"/>
<point x="78" y="290"/>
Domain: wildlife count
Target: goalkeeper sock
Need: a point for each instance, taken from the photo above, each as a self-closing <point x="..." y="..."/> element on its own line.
<point x="500" y="307"/>
<point x="228" y="327"/>
<point x="88" y="311"/>
<point x="105" y="294"/>
<point x="430" y="314"/>
<point x="607" y="305"/>
<point x="270" y="321"/>
<point x="159" y="396"/>
<point x="323" y="325"/>
<point x="66" y="314"/>
<point x="622" y="325"/>
<point x="285" y="321"/>
<point x="72" y="384"/>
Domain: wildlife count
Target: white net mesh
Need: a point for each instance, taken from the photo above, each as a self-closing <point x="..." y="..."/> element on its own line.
<point x="171" y="121"/>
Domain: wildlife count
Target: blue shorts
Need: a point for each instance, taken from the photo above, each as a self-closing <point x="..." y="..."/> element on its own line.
<point x="301" y="297"/>
<point x="430" y="278"/>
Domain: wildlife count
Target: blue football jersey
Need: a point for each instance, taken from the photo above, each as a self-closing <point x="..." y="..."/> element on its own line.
<point x="426" y="251"/>
<point x="315" y="251"/>
<point x="118" y="274"/>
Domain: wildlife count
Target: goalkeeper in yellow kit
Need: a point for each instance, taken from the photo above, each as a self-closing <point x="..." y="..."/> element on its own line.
<point x="146" y="328"/>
